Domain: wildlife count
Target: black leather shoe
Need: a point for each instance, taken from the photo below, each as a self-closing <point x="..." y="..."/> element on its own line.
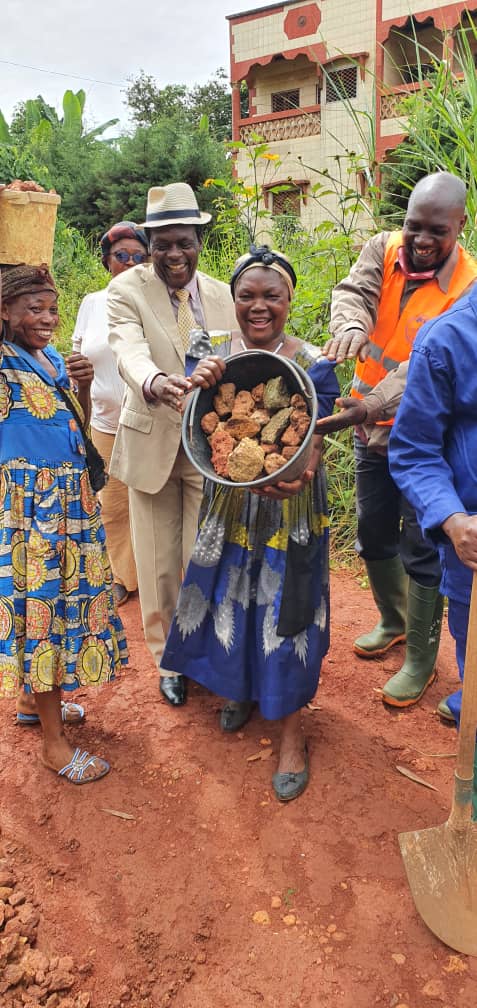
<point x="173" y="689"/>
<point x="288" y="786"/>
<point x="234" y="715"/>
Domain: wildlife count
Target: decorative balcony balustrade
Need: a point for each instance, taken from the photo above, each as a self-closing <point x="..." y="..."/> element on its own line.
<point x="392" y="105"/>
<point x="287" y="127"/>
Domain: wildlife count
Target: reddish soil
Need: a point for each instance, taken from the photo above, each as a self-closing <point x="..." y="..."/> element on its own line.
<point x="159" y="910"/>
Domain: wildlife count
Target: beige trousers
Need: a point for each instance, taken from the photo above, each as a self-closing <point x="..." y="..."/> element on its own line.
<point x="164" y="527"/>
<point x="114" y="500"/>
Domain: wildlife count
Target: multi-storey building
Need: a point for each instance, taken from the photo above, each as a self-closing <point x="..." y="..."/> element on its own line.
<point x="325" y="77"/>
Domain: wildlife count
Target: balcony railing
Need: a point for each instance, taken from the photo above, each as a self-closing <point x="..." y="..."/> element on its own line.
<point x="282" y="125"/>
<point x="391" y="103"/>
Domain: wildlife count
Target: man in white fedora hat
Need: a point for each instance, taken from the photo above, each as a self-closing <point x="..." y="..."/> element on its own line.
<point x="152" y="309"/>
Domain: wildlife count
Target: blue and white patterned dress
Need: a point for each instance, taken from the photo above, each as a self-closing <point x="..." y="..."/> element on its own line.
<point x="252" y="620"/>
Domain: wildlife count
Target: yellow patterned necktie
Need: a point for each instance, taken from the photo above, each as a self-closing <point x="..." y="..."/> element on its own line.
<point x="185" y="318"/>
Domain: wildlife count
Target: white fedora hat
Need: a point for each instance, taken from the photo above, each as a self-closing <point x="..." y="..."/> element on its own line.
<point x="173" y="204"/>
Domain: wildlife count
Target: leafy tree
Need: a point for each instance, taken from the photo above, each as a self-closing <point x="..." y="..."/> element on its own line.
<point x="165" y="152"/>
<point x="147" y="102"/>
<point x="213" y="99"/>
<point x="36" y="113"/>
<point x="5" y="136"/>
<point x="16" y="162"/>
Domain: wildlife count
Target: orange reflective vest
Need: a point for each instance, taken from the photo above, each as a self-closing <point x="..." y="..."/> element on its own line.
<point x="395" y="332"/>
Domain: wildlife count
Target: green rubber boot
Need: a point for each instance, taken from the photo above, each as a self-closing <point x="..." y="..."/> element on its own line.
<point x="389" y="584"/>
<point x="424" y="620"/>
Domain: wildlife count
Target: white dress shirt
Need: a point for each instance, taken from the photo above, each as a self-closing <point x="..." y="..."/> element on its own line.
<point x="90" y="338"/>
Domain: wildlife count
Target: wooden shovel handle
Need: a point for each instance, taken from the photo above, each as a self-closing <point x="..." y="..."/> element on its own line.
<point x="468" y="721"/>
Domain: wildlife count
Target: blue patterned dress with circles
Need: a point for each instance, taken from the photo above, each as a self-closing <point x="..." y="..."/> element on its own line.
<point x="58" y="622"/>
<point x="259" y="566"/>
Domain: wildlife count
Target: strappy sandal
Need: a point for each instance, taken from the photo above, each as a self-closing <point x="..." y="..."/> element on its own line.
<point x="71" y="713"/>
<point x="79" y="763"/>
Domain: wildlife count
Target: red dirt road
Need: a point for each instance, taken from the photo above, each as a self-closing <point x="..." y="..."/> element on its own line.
<point x="159" y="910"/>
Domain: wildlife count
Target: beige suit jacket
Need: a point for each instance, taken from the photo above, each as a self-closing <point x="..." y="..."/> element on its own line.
<point x="144" y="337"/>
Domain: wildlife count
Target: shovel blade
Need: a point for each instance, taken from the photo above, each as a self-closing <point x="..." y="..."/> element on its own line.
<point x="441" y="866"/>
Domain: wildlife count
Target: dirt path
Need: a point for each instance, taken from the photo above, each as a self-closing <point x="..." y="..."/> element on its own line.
<point x="159" y="910"/>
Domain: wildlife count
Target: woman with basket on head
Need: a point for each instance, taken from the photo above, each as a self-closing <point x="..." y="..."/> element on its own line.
<point x="252" y="621"/>
<point x="58" y="625"/>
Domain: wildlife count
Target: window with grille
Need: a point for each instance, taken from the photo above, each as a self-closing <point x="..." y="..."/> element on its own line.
<point x="287" y="202"/>
<point x="341" y="84"/>
<point x="284" y="100"/>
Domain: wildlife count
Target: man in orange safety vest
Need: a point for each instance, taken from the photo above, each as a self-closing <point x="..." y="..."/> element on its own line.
<point x="400" y="280"/>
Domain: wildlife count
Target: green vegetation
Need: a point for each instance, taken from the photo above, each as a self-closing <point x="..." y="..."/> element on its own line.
<point x="78" y="271"/>
<point x="441" y="130"/>
<point x="148" y="103"/>
<point x="102" y="180"/>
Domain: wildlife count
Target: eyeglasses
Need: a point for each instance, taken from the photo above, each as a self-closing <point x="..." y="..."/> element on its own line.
<point x="125" y="257"/>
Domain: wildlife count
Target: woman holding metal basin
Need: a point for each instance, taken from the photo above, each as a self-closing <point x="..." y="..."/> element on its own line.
<point x="252" y="620"/>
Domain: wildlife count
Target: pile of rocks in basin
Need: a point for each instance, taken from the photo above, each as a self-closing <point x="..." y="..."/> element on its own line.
<point x="254" y="433"/>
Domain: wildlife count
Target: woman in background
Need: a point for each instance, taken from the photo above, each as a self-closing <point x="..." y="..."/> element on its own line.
<point x="122" y="247"/>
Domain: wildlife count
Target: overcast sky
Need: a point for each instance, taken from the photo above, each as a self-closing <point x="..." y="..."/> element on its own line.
<point x="176" y="41"/>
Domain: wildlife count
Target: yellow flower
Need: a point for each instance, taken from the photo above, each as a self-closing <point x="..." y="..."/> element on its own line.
<point x="270" y="157"/>
<point x="208" y="182"/>
<point x="249" y="190"/>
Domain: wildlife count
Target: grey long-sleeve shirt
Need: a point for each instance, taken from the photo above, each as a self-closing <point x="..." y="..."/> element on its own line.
<point x="355" y="304"/>
<point x="381" y="404"/>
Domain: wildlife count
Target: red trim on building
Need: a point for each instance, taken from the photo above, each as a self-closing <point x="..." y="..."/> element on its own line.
<point x="286" y="114"/>
<point x="321" y="60"/>
<point x="316" y="53"/>
<point x="379" y="72"/>
<point x="302" y="21"/>
<point x="236" y="111"/>
<point x="387" y="144"/>
<point x="443" y="17"/>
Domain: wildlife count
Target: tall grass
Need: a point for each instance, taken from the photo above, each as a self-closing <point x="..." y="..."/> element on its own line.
<point x="78" y="270"/>
<point x="441" y="129"/>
